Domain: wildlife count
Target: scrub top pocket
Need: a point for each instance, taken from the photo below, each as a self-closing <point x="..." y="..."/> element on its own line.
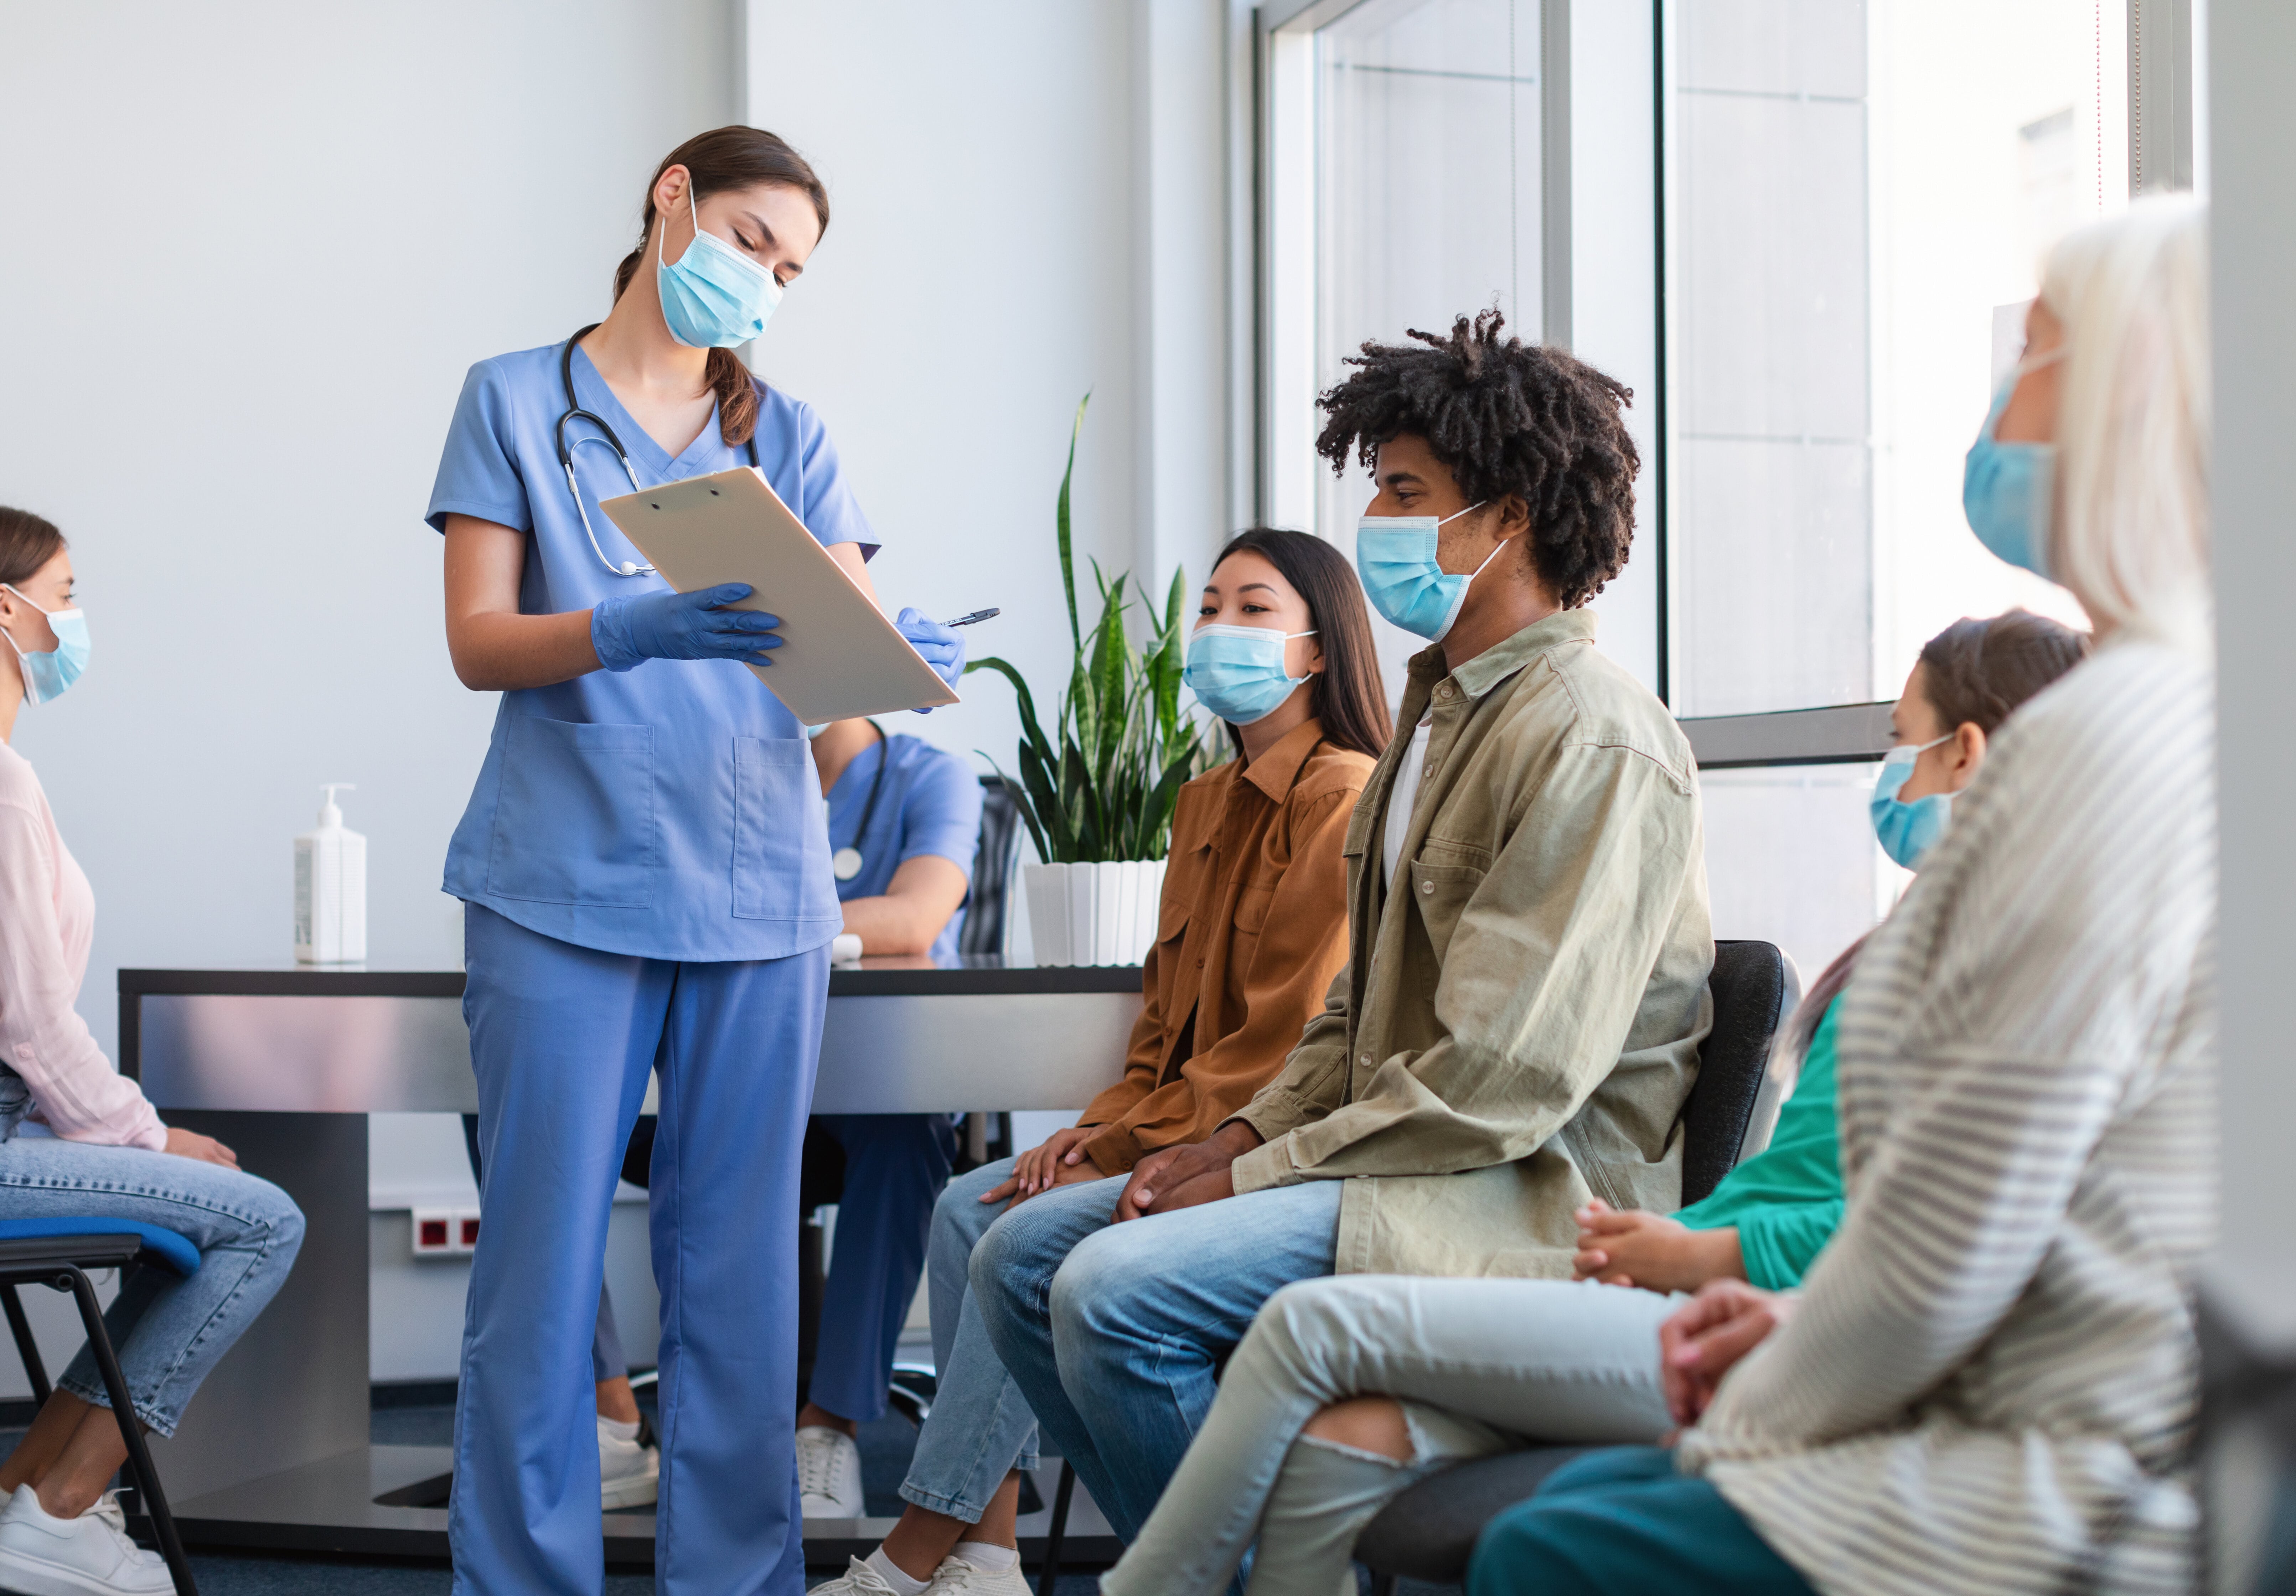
<point x="776" y="795"/>
<point x="575" y="820"/>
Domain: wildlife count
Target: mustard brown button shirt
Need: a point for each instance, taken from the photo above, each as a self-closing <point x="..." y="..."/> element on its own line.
<point x="1252" y="930"/>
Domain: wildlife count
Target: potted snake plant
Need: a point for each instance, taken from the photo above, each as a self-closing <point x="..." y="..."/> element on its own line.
<point x="1096" y="792"/>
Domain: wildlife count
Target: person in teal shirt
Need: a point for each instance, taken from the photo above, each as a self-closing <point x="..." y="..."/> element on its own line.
<point x="1764" y="1222"/>
<point x="1348" y="1389"/>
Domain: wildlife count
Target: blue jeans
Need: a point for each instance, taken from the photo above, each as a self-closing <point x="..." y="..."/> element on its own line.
<point x="1115" y="1337"/>
<point x="167" y="1330"/>
<point x="895" y="1165"/>
<point x="1623" y="1523"/>
<point x="981" y="1429"/>
<point x="561" y="1040"/>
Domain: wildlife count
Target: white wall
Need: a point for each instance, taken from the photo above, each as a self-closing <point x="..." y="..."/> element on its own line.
<point x="250" y="249"/>
<point x="2251" y="44"/>
<point x="1028" y="201"/>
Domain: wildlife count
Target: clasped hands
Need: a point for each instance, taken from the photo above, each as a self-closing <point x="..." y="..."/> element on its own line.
<point x="1163" y="1182"/>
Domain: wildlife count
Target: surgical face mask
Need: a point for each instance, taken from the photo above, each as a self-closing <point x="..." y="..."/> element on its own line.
<point x="1237" y="672"/>
<point x="2007" y="489"/>
<point x="1395" y="556"/>
<point x="713" y="297"/>
<point x="1908" y="831"/>
<point x="47" y="674"/>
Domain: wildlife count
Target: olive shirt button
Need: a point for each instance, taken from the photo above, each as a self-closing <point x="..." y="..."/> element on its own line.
<point x="1364" y="1060"/>
<point x="1427" y="886"/>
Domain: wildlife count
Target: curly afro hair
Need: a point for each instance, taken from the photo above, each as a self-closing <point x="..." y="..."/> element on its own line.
<point x="1507" y="417"/>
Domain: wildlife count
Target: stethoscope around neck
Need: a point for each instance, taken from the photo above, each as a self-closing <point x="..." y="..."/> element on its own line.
<point x="846" y="863"/>
<point x="575" y="413"/>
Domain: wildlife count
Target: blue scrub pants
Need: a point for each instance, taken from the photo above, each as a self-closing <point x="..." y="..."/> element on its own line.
<point x="561" y="1040"/>
<point x="895" y="1168"/>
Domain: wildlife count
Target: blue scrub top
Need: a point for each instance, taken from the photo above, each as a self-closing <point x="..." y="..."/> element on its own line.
<point x="671" y="811"/>
<point x="931" y="804"/>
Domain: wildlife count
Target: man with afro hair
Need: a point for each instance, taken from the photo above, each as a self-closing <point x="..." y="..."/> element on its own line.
<point x="1519" y="1022"/>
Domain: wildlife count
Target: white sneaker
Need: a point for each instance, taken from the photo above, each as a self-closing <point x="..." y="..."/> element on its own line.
<point x="630" y="1472"/>
<point x="957" y="1577"/>
<point x="87" y="1556"/>
<point x="859" y="1579"/>
<point x="829" y="1474"/>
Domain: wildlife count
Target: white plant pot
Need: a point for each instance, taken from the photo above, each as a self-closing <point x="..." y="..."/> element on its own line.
<point x="1100" y="913"/>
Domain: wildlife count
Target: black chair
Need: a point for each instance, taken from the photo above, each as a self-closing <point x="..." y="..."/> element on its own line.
<point x="1430" y="1531"/>
<point x="983" y="931"/>
<point x="58" y="1254"/>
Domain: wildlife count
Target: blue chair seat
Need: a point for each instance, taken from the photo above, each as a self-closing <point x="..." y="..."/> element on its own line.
<point x="179" y="1254"/>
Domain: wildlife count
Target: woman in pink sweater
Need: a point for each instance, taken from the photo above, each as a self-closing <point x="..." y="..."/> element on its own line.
<point x="78" y="1139"/>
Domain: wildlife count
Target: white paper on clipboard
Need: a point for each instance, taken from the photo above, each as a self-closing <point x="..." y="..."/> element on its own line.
<point x="840" y="657"/>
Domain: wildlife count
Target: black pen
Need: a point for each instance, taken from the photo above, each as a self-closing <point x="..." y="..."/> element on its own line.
<point x="978" y="615"/>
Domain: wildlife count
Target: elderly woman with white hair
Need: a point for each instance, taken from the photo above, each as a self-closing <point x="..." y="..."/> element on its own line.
<point x="1987" y="1381"/>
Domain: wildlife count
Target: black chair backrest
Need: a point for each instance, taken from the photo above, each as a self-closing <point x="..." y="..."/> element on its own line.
<point x="1748" y="985"/>
<point x="992" y="870"/>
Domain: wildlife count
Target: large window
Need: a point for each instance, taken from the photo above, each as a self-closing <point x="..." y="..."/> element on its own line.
<point x="1844" y="205"/>
<point x="1861" y="194"/>
<point x="1409" y="136"/>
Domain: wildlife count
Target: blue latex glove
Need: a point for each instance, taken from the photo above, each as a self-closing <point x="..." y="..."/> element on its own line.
<point x="943" y="647"/>
<point x="682" y="626"/>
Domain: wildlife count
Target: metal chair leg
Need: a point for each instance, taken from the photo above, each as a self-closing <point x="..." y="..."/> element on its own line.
<point x="27" y="1348"/>
<point x="1049" y="1577"/>
<point x="123" y="1410"/>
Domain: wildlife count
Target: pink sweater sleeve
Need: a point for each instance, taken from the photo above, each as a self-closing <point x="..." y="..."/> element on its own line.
<point x="73" y="1085"/>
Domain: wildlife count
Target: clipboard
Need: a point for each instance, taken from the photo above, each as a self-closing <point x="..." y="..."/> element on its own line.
<point x="840" y="657"/>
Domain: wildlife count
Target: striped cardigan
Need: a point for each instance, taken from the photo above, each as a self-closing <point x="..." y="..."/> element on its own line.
<point x="1990" y="1381"/>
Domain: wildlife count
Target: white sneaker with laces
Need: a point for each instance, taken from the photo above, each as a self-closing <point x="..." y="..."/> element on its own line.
<point x="630" y="1473"/>
<point x="829" y="1474"/>
<point x="957" y="1577"/>
<point x="859" y="1579"/>
<point x="87" y="1556"/>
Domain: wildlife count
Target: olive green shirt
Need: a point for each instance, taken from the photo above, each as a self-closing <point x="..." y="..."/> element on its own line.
<point x="1519" y="1022"/>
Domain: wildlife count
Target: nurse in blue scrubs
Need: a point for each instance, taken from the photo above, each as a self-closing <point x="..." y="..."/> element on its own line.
<point x="646" y="871"/>
<point x="905" y="819"/>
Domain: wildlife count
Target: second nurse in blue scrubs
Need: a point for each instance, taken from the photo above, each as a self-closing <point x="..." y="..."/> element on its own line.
<point x="646" y="879"/>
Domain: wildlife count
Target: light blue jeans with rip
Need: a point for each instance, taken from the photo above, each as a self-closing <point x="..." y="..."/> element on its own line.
<point x="169" y="1329"/>
<point x="1479" y="1366"/>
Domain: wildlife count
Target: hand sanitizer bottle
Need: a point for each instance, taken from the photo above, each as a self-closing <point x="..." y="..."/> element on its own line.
<point x="331" y="888"/>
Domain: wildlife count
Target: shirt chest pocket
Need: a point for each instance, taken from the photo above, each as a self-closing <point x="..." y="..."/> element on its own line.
<point x="1439" y="892"/>
<point x="574" y="821"/>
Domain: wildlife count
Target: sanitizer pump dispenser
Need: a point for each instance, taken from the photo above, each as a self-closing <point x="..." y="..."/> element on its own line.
<point x="331" y="888"/>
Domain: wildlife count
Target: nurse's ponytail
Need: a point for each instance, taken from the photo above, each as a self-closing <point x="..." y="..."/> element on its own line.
<point x="728" y="158"/>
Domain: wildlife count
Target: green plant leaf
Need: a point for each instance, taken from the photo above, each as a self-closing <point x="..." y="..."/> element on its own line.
<point x="1068" y="561"/>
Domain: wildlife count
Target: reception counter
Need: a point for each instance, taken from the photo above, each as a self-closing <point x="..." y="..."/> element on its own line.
<point x="285" y="1064"/>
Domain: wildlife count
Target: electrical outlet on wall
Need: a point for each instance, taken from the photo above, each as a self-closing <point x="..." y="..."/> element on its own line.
<point x="435" y="1233"/>
<point x="466" y="1230"/>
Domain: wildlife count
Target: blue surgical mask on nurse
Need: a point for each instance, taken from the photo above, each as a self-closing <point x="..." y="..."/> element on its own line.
<point x="713" y="297"/>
